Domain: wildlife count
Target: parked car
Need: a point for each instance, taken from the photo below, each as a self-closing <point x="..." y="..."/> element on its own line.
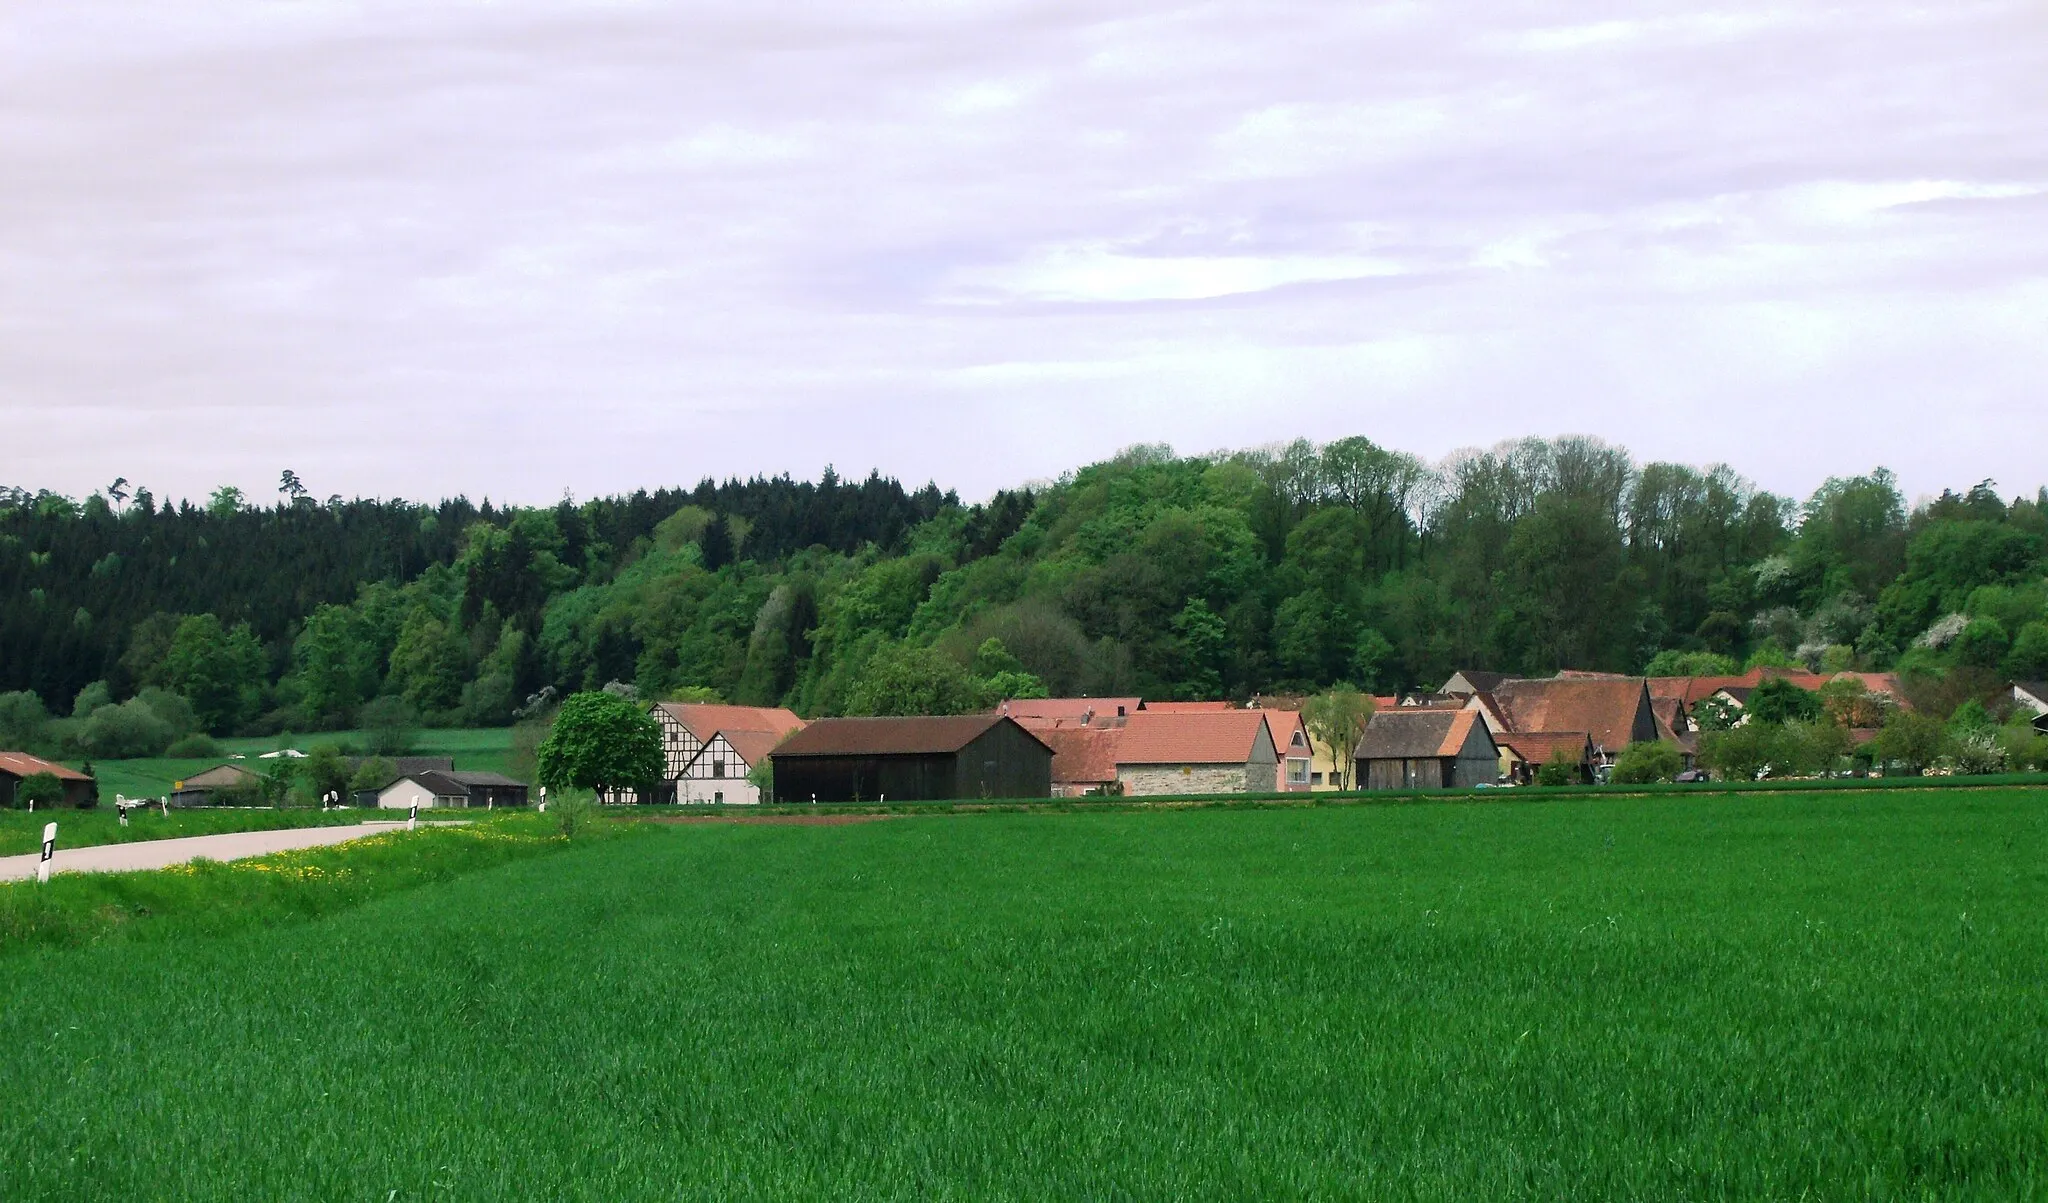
<point x="1691" y="775"/>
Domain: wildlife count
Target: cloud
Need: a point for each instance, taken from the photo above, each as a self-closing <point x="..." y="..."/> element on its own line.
<point x="599" y="246"/>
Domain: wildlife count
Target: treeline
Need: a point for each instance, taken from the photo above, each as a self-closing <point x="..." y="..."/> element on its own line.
<point x="1278" y="570"/>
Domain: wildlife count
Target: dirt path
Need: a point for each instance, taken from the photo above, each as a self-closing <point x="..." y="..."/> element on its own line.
<point x="161" y="854"/>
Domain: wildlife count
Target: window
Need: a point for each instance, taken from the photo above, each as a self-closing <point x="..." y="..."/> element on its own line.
<point x="1297" y="771"/>
<point x="1315" y="778"/>
<point x="718" y="766"/>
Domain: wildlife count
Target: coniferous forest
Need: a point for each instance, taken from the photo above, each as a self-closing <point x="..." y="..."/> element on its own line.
<point x="1274" y="570"/>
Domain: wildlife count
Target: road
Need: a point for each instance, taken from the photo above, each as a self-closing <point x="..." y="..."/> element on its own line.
<point x="161" y="854"/>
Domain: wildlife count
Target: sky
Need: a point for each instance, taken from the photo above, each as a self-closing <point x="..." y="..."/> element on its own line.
<point x="529" y="249"/>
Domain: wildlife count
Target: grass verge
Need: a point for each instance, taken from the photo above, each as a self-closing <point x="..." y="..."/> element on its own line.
<point x="213" y="897"/>
<point x="22" y="831"/>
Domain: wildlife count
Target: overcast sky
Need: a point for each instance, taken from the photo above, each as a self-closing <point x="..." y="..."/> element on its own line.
<point x="512" y="249"/>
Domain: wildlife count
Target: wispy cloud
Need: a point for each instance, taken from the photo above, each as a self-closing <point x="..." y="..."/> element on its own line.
<point x="603" y="245"/>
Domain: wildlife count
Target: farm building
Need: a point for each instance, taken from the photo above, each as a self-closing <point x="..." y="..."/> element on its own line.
<point x="200" y="788"/>
<point x="1417" y="748"/>
<point x="686" y="727"/>
<point x="1197" y="752"/>
<point x="912" y="760"/>
<point x="15" y="767"/>
<point x="1615" y="711"/>
<point x="1522" y="754"/>
<point x="1083" y="759"/>
<point x="1296" y="751"/>
<point x="451" y="788"/>
<point x="718" y="772"/>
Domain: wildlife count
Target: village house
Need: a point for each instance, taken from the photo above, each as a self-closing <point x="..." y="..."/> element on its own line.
<point x="1296" y="751"/>
<point x="912" y="760"/>
<point x="1614" y="710"/>
<point x="16" y="767"/>
<point x="686" y="727"/>
<point x="433" y="788"/>
<point x="1427" y="748"/>
<point x="1211" y="751"/>
<point x="719" y="773"/>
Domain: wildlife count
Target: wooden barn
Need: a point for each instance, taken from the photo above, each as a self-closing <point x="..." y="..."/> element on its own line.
<point x="1417" y="748"/>
<point x="912" y="760"/>
<point x="16" y="767"/>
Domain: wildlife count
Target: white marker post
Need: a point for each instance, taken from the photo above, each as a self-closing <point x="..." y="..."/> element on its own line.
<point x="166" y="804"/>
<point x="543" y="799"/>
<point x="49" y="850"/>
<point x="413" y="820"/>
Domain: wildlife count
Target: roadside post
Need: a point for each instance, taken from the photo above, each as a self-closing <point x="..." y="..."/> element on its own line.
<point x="413" y="820"/>
<point x="121" y="809"/>
<point x="49" y="850"/>
<point x="543" y="799"/>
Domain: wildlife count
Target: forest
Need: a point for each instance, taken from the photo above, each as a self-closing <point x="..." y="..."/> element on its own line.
<point x="124" y="623"/>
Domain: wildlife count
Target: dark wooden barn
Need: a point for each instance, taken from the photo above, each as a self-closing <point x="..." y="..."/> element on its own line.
<point x="1420" y="748"/>
<point x="912" y="760"/>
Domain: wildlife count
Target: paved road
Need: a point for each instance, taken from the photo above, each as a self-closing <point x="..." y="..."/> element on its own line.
<point x="161" y="854"/>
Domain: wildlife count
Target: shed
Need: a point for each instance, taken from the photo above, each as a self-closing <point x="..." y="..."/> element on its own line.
<point x="1197" y="752"/>
<point x="15" y="767"/>
<point x="201" y="788"/>
<point x="912" y="760"/>
<point x="1427" y="749"/>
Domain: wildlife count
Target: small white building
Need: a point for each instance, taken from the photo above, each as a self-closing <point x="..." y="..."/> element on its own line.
<point x="717" y="774"/>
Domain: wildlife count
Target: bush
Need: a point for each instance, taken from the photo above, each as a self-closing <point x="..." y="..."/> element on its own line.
<point x="1912" y="739"/>
<point x="1560" y="769"/>
<point x="125" y="732"/>
<point x="39" y="789"/>
<point x="1740" y="753"/>
<point x="2028" y="660"/>
<point x="24" y="721"/>
<point x="1645" y="763"/>
<point x="196" y="746"/>
<point x="1777" y="700"/>
<point x="1982" y="644"/>
<point x="374" y="773"/>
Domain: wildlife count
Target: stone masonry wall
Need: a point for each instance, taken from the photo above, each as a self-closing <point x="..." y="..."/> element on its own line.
<point x="1143" y="780"/>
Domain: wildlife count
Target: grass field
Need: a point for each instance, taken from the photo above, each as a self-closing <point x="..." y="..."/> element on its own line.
<point x="481" y="749"/>
<point x="1828" y="996"/>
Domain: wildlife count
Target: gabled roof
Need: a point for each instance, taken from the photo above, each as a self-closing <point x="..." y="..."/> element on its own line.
<point x="1415" y="733"/>
<point x="2037" y="690"/>
<point x="1471" y="680"/>
<point x="1190" y="707"/>
<point x="1606" y="708"/>
<point x="926" y="736"/>
<point x="21" y="764"/>
<point x="1068" y="710"/>
<point x="1083" y="755"/>
<point x="1283" y="725"/>
<point x="751" y="746"/>
<point x="440" y="785"/>
<point x="1192" y="737"/>
<point x="220" y="775"/>
<point x="1540" y="747"/>
<point x="706" y="719"/>
<point x="498" y="780"/>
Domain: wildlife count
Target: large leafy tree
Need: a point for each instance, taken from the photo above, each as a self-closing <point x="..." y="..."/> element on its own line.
<point x="601" y="742"/>
<point x="220" y="671"/>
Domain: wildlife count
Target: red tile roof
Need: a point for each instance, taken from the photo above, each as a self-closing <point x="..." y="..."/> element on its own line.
<point x="752" y="746"/>
<point x="1538" y="747"/>
<point x="1067" y="710"/>
<point x="21" y="764"/>
<point x="923" y="736"/>
<point x="1282" y="724"/>
<point x="1607" y="708"/>
<point x="1198" y="737"/>
<point x="1083" y="755"/>
<point x="704" y="719"/>
<point x="1190" y="707"/>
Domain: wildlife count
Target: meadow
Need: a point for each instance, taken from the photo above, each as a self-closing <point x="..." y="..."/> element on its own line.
<point x="484" y="749"/>
<point x="1815" y="995"/>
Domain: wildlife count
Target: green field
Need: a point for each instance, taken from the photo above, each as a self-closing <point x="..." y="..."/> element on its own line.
<point x="482" y="749"/>
<point x="1827" y="996"/>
